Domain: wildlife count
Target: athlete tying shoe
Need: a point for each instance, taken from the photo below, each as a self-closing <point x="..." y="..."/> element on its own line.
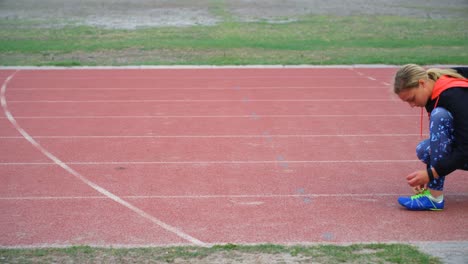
<point x="444" y="94"/>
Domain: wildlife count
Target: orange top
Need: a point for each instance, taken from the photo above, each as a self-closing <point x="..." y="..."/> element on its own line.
<point x="446" y="82"/>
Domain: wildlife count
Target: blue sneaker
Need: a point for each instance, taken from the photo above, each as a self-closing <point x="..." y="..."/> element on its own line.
<point x="421" y="202"/>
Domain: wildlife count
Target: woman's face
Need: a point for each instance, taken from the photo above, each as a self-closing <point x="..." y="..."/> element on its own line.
<point x="416" y="96"/>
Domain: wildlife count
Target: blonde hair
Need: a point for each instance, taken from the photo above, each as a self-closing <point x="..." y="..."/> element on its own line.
<point x="408" y="76"/>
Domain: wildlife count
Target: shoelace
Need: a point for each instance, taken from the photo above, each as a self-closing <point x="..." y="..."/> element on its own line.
<point x="423" y="192"/>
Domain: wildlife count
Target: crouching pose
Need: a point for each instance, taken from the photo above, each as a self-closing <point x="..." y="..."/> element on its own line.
<point x="444" y="94"/>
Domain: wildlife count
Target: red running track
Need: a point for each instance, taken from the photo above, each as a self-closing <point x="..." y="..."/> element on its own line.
<point x="126" y="157"/>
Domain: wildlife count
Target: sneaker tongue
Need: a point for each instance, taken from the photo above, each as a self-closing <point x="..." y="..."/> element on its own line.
<point x="424" y="192"/>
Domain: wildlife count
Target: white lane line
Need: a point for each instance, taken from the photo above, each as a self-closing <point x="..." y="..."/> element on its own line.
<point x="215" y="136"/>
<point x="214" y="67"/>
<point x="201" y="101"/>
<point x="185" y="78"/>
<point x="210" y="116"/>
<point x="214" y="196"/>
<point x="84" y="179"/>
<point x="195" y="196"/>
<point x="39" y="198"/>
<point x="367" y="76"/>
<point x="207" y="88"/>
<point x="207" y="162"/>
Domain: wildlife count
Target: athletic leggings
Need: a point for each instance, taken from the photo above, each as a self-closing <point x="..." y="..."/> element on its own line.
<point x="431" y="150"/>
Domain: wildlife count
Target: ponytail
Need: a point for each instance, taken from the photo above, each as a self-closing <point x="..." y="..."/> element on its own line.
<point x="435" y="73"/>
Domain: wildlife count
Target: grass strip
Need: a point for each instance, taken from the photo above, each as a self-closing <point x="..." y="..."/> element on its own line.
<point x="230" y="253"/>
<point x="309" y="40"/>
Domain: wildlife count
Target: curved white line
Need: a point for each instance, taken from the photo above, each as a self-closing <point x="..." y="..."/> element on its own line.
<point x="84" y="179"/>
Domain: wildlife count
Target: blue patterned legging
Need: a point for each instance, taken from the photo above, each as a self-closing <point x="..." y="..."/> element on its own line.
<point x="431" y="150"/>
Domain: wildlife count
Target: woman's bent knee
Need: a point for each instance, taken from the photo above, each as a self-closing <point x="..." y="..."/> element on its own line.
<point x="440" y="113"/>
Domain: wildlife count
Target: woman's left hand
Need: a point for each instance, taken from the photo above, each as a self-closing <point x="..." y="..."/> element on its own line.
<point x="418" y="178"/>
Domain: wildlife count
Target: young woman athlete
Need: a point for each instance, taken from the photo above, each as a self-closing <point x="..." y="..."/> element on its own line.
<point x="444" y="94"/>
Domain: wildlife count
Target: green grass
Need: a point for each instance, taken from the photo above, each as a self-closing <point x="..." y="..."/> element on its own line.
<point x="310" y="40"/>
<point x="359" y="253"/>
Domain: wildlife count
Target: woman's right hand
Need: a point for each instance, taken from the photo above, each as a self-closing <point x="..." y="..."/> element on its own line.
<point x="419" y="189"/>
